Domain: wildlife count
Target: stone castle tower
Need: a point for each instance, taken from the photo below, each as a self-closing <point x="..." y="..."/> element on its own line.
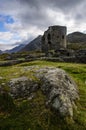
<point x="54" y="38"/>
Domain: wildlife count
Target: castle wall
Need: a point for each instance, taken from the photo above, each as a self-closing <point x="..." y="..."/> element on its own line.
<point x="54" y="38"/>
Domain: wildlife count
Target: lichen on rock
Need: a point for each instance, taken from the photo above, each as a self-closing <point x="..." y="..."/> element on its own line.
<point x="60" y="90"/>
<point x="57" y="86"/>
<point x="22" y="87"/>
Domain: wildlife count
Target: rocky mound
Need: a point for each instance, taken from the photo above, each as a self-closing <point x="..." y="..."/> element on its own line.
<point x="56" y="85"/>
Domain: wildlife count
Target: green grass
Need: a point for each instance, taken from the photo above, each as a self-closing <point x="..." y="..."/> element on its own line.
<point x="33" y="115"/>
<point x="77" y="46"/>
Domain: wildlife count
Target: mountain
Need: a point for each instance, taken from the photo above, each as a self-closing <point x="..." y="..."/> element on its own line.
<point x="76" y="37"/>
<point x="0" y="52"/>
<point x="72" y="39"/>
<point x="15" y="49"/>
<point x="33" y="45"/>
<point x="76" y="41"/>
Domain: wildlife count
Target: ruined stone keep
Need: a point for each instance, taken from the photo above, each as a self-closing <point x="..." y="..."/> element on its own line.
<point x="54" y="38"/>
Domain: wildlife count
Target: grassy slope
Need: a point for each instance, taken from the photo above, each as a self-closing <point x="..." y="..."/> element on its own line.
<point x="32" y="115"/>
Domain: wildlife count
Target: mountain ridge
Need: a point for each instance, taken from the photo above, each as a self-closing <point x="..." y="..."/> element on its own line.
<point x="35" y="44"/>
<point x="15" y="49"/>
<point x="72" y="38"/>
<point x="76" y="37"/>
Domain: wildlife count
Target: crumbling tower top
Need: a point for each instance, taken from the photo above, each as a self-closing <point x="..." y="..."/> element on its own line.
<point x="54" y="38"/>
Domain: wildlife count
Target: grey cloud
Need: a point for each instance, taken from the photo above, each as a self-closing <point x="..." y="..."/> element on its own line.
<point x="61" y="4"/>
<point x="6" y="46"/>
<point x="35" y="10"/>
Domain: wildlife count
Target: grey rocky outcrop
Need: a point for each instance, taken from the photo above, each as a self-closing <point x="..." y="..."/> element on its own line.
<point x="22" y="87"/>
<point x="59" y="89"/>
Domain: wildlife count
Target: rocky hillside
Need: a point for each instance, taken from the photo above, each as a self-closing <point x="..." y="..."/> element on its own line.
<point x="33" y="45"/>
<point x="76" y="41"/>
<point x="76" y="37"/>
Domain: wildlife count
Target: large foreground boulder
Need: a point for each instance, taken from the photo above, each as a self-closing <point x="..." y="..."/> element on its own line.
<point x="57" y="86"/>
<point x="60" y="90"/>
<point x="22" y="87"/>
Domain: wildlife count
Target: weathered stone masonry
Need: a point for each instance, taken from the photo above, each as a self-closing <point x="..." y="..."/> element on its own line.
<point x="54" y="38"/>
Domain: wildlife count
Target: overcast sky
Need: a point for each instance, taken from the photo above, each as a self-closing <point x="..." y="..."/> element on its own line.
<point x="25" y="19"/>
